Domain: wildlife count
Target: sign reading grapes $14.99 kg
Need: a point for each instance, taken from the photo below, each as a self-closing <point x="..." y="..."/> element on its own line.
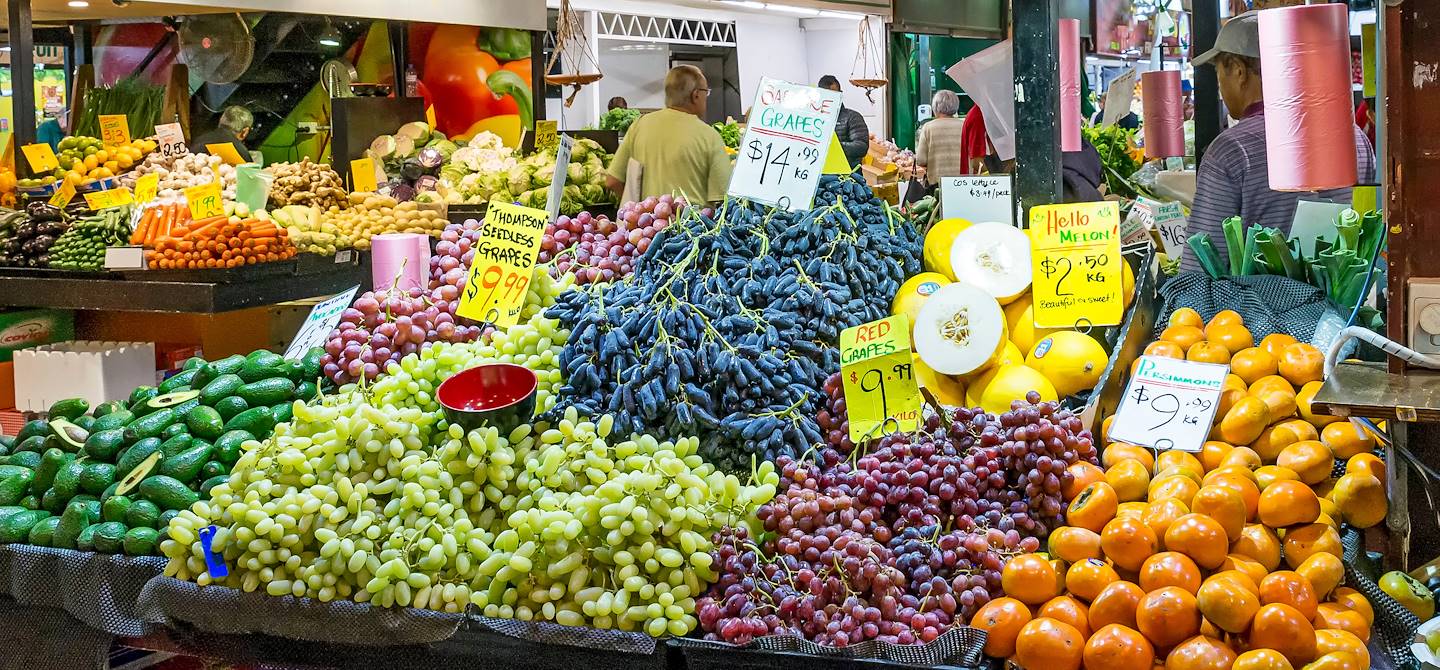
<point x="503" y="264"/>
<point x="1169" y="403"/>
<point x="1076" y="274"/>
<point x="876" y="370"/>
<point x="783" y="151"/>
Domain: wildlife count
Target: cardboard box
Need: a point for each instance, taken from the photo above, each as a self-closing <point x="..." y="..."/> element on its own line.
<point x="32" y="327"/>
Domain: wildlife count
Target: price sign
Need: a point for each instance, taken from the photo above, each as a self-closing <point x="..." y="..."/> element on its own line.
<point x="1119" y="97"/>
<point x="205" y="200"/>
<point x="362" y="174"/>
<point x="1169" y="404"/>
<point x="147" y="187"/>
<point x="876" y="371"/>
<point x="171" y="140"/>
<point x="1135" y="229"/>
<point x="979" y="199"/>
<point x="1076" y="275"/>
<point x="504" y="262"/>
<point x="41" y="157"/>
<point x="114" y="130"/>
<point x="227" y="152"/>
<point x="430" y="115"/>
<point x="785" y="145"/>
<point x="1170" y="222"/>
<point x="557" y="185"/>
<point x="322" y="319"/>
<point x="545" y="133"/>
<point x="114" y="197"/>
<point x="65" y="193"/>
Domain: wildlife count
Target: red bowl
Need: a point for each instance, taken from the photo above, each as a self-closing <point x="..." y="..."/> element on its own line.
<point x="499" y="394"/>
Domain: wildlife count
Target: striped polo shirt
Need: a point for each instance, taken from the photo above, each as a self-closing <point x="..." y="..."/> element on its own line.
<point x="1234" y="179"/>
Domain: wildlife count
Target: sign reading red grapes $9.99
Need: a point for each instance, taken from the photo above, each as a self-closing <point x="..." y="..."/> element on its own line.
<point x="877" y="372"/>
<point x="504" y="262"/>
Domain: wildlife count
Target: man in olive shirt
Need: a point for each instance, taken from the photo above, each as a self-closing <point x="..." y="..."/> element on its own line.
<point x="679" y="154"/>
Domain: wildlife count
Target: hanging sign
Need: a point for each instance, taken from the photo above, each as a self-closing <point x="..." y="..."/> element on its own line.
<point x="205" y="200"/>
<point x="978" y="199"/>
<point x="1076" y="275"/>
<point x="322" y="319"/>
<point x="170" y="140"/>
<point x="1119" y="97"/>
<point x="147" y="187"/>
<point x="876" y="371"/>
<point x="114" y="130"/>
<point x="114" y="197"/>
<point x="227" y="152"/>
<point x="1169" y="404"/>
<point x="41" y="157"/>
<point x="785" y="145"/>
<point x="63" y="196"/>
<point x="362" y="175"/>
<point x="504" y="262"/>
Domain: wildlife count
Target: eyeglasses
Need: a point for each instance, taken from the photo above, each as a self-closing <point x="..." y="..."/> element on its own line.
<point x="705" y="90"/>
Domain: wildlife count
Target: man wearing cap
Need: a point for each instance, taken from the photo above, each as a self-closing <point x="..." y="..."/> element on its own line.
<point x="1234" y="178"/>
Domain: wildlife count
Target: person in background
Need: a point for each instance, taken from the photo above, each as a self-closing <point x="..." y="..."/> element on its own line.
<point x="1234" y="177"/>
<point x="849" y="126"/>
<point x="1365" y="118"/>
<point x="53" y="129"/>
<point x="938" y="145"/>
<point x="617" y="102"/>
<point x="678" y="152"/>
<point x="974" y="143"/>
<point x="234" y="127"/>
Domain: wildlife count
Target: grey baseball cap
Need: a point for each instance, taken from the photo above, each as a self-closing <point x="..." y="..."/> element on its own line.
<point x="1240" y="36"/>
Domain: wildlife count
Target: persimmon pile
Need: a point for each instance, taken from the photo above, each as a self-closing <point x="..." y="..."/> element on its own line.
<point x="1229" y="558"/>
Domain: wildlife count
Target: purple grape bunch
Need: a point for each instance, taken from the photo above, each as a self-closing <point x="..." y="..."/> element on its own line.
<point x="596" y="248"/>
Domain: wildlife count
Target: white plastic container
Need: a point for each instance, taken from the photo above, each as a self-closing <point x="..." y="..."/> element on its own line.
<point x="95" y="371"/>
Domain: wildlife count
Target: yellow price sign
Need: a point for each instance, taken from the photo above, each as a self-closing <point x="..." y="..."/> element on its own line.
<point x="147" y="187"/>
<point x="504" y="263"/>
<point x="114" y="130"/>
<point x="1075" y="265"/>
<point x="64" y="195"/>
<point x="877" y="374"/>
<point x="41" y="157"/>
<point x="114" y="197"/>
<point x="204" y="200"/>
<point x="362" y="175"/>
<point x="430" y="115"/>
<point x="835" y="161"/>
<point x="547" y="133"/>
<point x="227" y="152"/>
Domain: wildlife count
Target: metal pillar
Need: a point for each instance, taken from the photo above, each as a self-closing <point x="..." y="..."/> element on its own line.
<point x="1205" y="25"/>
<point x="22" y="73"/>
<point x="1037" y="103"/>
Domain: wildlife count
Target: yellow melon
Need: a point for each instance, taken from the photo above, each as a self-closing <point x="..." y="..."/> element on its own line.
<point x="948" y="390"/>
<point x="913" y="292"/>
<point x="937" y="245"/>
<point x="1071" y="360"/>
<point x="1012" y="382"/>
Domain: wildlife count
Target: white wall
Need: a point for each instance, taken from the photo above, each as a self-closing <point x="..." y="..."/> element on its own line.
<point x="830" y="47"/>
<point x="634" y="71"/>
<point x="769" y="47"/>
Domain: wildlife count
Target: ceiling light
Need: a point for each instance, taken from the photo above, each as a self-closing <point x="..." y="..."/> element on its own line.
<point x="329" y="37"/>
<point x="803" y="11"/>
<point x="78" y="4"/>
<point x="747" y="4"/>
<point x="851" y="16"/>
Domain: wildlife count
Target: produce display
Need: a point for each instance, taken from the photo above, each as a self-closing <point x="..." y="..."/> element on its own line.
<point x="219" y="242"/>
<point x="140" y="103"/>
<point x="182" y="171"/>
<point x="111" y="480"/>
<point x="306" y="183"/>
<point x="1229" y="556"/>
<point x="82" y="246"/>
<point x="476" y="171"/>
<point x="411" y="159"/>
<point x="10" y="222"/>
<point x="84" y="159"/>
<point x="30" y="238"/>
<point x="729" y="133"/>
<point x="891" y="154"/>
<point x="619" y="119"/>
<point x="366" y="216"/>
<point x="1119" y="155"/>
<point x="730" y="324"/>
<point x="594" y="248"/>
<point x="528" y="182"/>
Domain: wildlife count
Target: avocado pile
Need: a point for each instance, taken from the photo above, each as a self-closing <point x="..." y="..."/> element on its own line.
<point x="110" y="480"/>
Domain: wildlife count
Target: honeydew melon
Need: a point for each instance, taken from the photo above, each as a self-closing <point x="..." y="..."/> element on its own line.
<point x="914" y="292"/>
<point x="1071" y="360"/>
<point x="960" y="330"/>
<point x="995" y="257"/>
<point x="938" y="243"/>
<point x="975" y="384"/>
<point x="1022" y="327"/>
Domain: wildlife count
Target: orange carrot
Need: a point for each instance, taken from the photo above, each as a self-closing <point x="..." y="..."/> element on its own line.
<point x="138" y="235"/>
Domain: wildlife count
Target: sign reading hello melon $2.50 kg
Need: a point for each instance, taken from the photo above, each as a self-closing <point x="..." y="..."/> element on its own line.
<point x="1076" y="277"/>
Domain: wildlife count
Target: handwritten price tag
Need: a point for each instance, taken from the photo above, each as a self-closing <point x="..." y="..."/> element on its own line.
<point x="114" y="130"/>
<point x="876" y="371"/>
<point x="546" y="133"/>
<point x="41" y="157"/>
<point x="226" y="151"/>
<point x="1076" y="275"/>
<point x="205" y="200"/>
<point x="170" y="140"/>
<point x="1169" y="404"/>
<point x="64" y="195"/>
<point x="1170" y="222"/>
<point x="322" y="319"/>
<point x="783" y="152"/>
<point x="362" y="174"/>
<point x="503" y="265"/>
<point x="978" y="199"/>
<point x="114" y="197"/>
<point x="147" y="187"/>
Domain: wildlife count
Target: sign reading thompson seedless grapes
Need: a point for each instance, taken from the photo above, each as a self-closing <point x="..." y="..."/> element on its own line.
<point x="503" y="264"/>
<point x="876" y="370"/>
<point x="1076" y="275"/>
<point x="783" y="151"/>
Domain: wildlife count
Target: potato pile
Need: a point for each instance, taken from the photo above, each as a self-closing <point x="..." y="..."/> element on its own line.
<point x="369" y="215"/>
<point x="306" y="183"/>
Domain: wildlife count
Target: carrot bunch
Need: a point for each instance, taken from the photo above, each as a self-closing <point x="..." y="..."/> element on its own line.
<point x="220" y="242"/>
<point x="157" y="222"/>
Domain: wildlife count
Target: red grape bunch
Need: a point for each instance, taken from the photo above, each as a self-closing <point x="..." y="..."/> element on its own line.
<point x="596" y="248"/>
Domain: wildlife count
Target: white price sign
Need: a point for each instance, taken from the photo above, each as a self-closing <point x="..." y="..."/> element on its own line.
<point x="1136" y="226"/>
<point x="1119" y="97"/>
<point x="557" y="184"/>
<point x="1170" y="222"/>
<point x="782" y="154"/>
<point x="1169" y="404"/>
<point x="979" y="199"/>
<point x="322" y="319"/>
<point x="170" y="140"/>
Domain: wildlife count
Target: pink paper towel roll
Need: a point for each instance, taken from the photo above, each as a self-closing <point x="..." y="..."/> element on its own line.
<point x="396" y="260"/>
<point x="1069" y="84"/>
<point x="1309" y="123"/>
<point x="1164" y="114"/>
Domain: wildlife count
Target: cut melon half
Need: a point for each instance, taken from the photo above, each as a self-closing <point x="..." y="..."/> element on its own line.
<point x="994" y="257"/>
<point x="959" y="330"/>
